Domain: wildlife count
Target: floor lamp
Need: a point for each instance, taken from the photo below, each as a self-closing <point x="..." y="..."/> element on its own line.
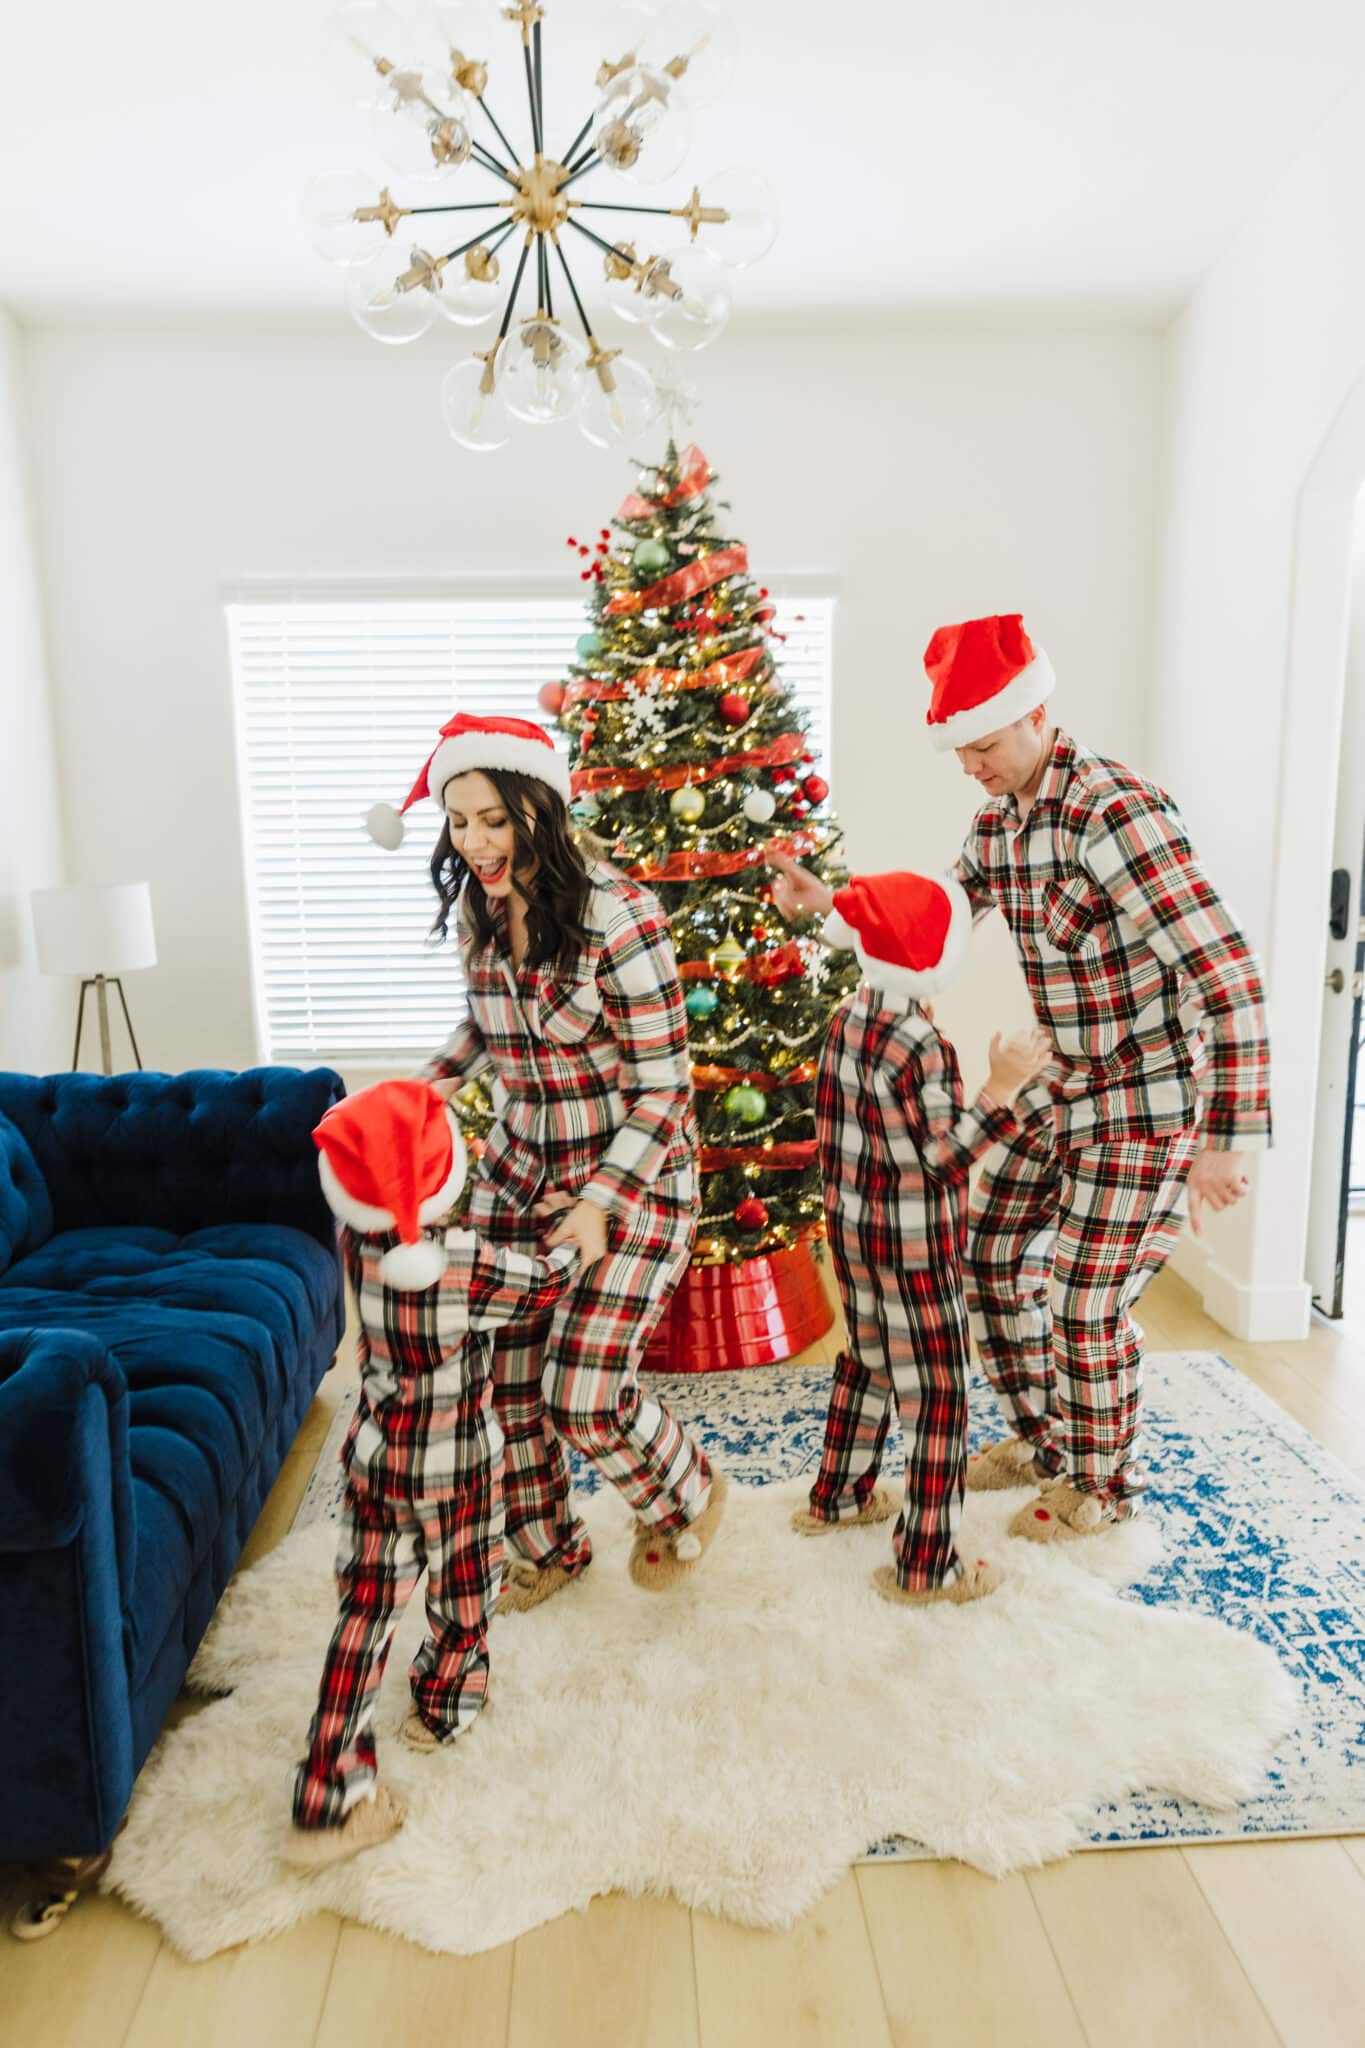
<point x="99" y="931"/>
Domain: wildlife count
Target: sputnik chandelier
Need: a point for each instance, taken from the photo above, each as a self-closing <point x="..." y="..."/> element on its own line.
<point x="435" y="124"/>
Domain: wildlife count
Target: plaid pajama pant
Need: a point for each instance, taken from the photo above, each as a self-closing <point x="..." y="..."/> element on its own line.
<point x="895" y="1150"/>
<point x="1063" y="1239"/>
<point x="384" y="1545"/>
<point x="572" y="1375"/>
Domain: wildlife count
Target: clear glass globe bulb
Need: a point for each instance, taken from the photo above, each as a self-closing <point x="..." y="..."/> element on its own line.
<point x="690" y="299"/>
<point x="693" y="35"/>
<point x="393" y="296"/>
<point x="540" y="381"/>
<point x="468" y="296"/>
<point x="353" y="37"/>
<point x="620" y="400"/>
<point x="476" y="418"/>
<point x="421" y="124"/>
<point x="751" y="228"/>
<point x="328" y="208"/>
<point x="472" y="28"/>
<point x="641" y="126"/>
<point x="624" y="297"/>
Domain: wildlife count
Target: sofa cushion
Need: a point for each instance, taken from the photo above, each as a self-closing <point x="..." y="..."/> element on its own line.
<point x="25" y="1205"/>
<point x="208" y="1331"/>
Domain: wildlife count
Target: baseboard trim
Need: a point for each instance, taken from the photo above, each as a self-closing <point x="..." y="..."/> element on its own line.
<point x="1258" y="1315"/>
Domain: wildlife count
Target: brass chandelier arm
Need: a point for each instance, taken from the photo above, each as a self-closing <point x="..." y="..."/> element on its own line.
<point x="531" y="96"/>
<point x="516" y="287"/>
<point x="488" y="111"/>
<point x="566" y="156"/>
<point x="463" y="206"/>
<point x="474" y="240"/>
<point x="590" y="162"/>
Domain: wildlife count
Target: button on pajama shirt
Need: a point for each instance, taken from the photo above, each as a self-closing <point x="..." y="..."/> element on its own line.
<point x="594" y="1085"/>
<point x="424" y="1463"/>
<point x="896" y="1147"/>
<point x="1152" y="997"/>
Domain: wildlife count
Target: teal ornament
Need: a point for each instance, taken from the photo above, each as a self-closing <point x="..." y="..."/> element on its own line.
<point x="701" y="1002"/>
<point x="651" y="555"/>
<point x="589" y="647"/>
<point x="747" y="1104"/>
<point x="584" y="809"/>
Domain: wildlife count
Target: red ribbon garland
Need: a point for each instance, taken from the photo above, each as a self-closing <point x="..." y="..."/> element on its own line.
<point x="697" y="576"/>
<point x="775" y="1158"/>
<point x="731" y="668"/>
<point x="782" y="963"/>
<point x="695" y="477"/>
<point x="711" y="1079"/>
<point x="787" y="747"/>
<point x="686" y="867"/>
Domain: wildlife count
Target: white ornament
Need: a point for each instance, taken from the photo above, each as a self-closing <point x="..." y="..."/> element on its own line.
<point x="759" y="806"/>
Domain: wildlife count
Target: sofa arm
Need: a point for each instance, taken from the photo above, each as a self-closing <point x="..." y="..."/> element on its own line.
<point x="178" y="1152"/>
<point x="66" y="1561"/>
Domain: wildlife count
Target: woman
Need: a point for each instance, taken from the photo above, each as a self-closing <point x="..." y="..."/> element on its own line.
<point x="576" y="1007"/>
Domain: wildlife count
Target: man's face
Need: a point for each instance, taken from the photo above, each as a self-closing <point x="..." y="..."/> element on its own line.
<point x="1005" y="762"/>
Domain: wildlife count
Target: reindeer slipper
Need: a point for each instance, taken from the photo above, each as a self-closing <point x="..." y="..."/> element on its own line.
<point x="975" y="1582"/>
<point x="526" y="1585"/>
<point x="1011" y="1463"/>
<point x="879" y="1506"/>
<point x="1059" y="1515"/>
<point x="660" y="1561"/>
<point x="369" y="1822"/>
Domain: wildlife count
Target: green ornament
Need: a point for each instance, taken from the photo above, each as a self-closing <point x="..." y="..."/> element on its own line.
<point x="701" y="1002"/>
<point x="687" y="803"/>
<point x="747" y="1104"/>
<point x="584" y="808"/>
<point x="589" y="647"/>
<point x="651" y="555"/>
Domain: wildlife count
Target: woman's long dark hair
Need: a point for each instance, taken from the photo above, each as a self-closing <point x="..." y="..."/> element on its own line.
<point x="549" y="869"/>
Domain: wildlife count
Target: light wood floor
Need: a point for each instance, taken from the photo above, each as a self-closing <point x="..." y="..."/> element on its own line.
<point x="1241" y="1945"/>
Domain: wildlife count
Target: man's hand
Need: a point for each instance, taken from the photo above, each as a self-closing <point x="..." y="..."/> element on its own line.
<point x="797" y="892"/>
<point x="584" y="1224"/>
<point x="1218" y="1178"/>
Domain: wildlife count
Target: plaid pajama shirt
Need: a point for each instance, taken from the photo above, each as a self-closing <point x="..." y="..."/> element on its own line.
<point x="1151" y="996"/>
<point x="424" y="1458"/>
<point x="595" y="1098"/>
<point x="896" y="1147"/>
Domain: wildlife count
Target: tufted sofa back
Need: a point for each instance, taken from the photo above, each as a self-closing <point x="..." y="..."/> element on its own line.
<point x="172" y="1151"/>
<point x="25" y="1206"/>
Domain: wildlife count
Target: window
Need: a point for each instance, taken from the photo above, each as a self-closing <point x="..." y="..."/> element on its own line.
<point x="335" y="702"/>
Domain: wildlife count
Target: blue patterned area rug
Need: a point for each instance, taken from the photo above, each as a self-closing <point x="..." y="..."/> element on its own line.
<point x="1261" y="1527"/>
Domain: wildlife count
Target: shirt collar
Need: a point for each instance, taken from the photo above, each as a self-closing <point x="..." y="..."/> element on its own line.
<point x="1056" y="775"/>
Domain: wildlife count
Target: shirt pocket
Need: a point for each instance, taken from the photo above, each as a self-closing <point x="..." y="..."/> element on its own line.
<point x="1071" y="913"/>
<point x="567" y="1011"/>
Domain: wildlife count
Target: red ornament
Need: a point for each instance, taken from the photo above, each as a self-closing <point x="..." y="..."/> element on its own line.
<point x="809" y="760"/>
<point x="799" y="809"/>
<point x="751" y="1214"/>
<point x="550" y="697"/>
<point x="734" y="709"/>
<point x="816" y="788"/>
<point x="760" y="933"/>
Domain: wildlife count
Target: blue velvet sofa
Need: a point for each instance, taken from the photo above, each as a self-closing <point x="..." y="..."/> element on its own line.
<point x="170" y="1296"/>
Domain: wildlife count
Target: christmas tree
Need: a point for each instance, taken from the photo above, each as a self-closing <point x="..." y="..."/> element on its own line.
<point x="691" y="762"/>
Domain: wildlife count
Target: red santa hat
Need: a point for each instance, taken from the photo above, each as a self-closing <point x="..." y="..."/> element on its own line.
<point x="392" y="1158"/>
<point x="985" y="673"/>
<point x="466" y="743"/>
<point x="910" y="932"/>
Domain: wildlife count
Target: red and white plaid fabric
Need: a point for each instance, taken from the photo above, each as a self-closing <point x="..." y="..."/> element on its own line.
<point x="896" y="1147"/>
<point x="1063" y="1239"/>
<point x="1117" y="929"/>
<point x="425" y="1460"/>
<point x="593" y="1080"/>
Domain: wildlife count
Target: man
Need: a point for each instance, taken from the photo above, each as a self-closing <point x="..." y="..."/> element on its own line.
<point x="1149" y="993"/>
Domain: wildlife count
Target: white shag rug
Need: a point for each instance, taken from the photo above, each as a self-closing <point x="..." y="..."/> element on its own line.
<point x="737" y="1744"/>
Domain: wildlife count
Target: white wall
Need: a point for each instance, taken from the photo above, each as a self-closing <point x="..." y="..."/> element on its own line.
<point x="938" y="473"/>
<point x="35" y="1012"/>
<point x="1267" y="451"/>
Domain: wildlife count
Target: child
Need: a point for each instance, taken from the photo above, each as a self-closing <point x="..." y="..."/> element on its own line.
<point x="896" y="1147"/>
<point x="424" y="1454"/>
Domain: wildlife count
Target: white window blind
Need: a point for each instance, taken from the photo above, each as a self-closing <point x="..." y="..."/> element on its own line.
<point x="337" y="703"/>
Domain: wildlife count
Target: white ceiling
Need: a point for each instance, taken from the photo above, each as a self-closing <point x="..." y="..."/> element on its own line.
<point x="1078" y="153"/>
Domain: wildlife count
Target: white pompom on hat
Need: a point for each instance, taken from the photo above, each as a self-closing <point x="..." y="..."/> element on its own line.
<point x="467" y="743"/>
<point x="910" y="932"/>
<point x="392" y="1158"/>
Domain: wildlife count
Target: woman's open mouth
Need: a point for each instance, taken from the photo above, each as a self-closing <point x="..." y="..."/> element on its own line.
<point x="491" y="871"/>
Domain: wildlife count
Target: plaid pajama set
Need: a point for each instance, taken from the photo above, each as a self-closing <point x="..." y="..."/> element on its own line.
<point x="896" y="1147"/>
<point x="1150" y="994"/>
<point x="424" y="1459"/>
<point x="595" y="1091"/>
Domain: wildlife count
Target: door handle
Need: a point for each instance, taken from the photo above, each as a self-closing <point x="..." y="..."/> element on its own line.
<point x="1336" y="981"/>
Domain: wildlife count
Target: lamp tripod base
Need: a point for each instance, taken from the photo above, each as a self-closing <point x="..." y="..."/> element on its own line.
<point x="102" y="983"/>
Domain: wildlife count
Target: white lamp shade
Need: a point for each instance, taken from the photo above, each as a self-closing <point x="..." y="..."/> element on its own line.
<point x="97" y="929"/>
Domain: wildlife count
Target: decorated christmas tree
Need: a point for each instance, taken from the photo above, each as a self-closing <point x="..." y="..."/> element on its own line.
<point x="691" y="762"/>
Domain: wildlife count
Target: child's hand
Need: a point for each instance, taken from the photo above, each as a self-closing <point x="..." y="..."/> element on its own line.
<point x="551" y="1205"/>
<point x="1016" y="1060"/>
<point x="586" y="1226"/>
<point x="797" y="892"/>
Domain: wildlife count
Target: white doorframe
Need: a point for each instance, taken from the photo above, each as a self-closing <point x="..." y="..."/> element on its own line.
<point x="1310" y="742"/>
